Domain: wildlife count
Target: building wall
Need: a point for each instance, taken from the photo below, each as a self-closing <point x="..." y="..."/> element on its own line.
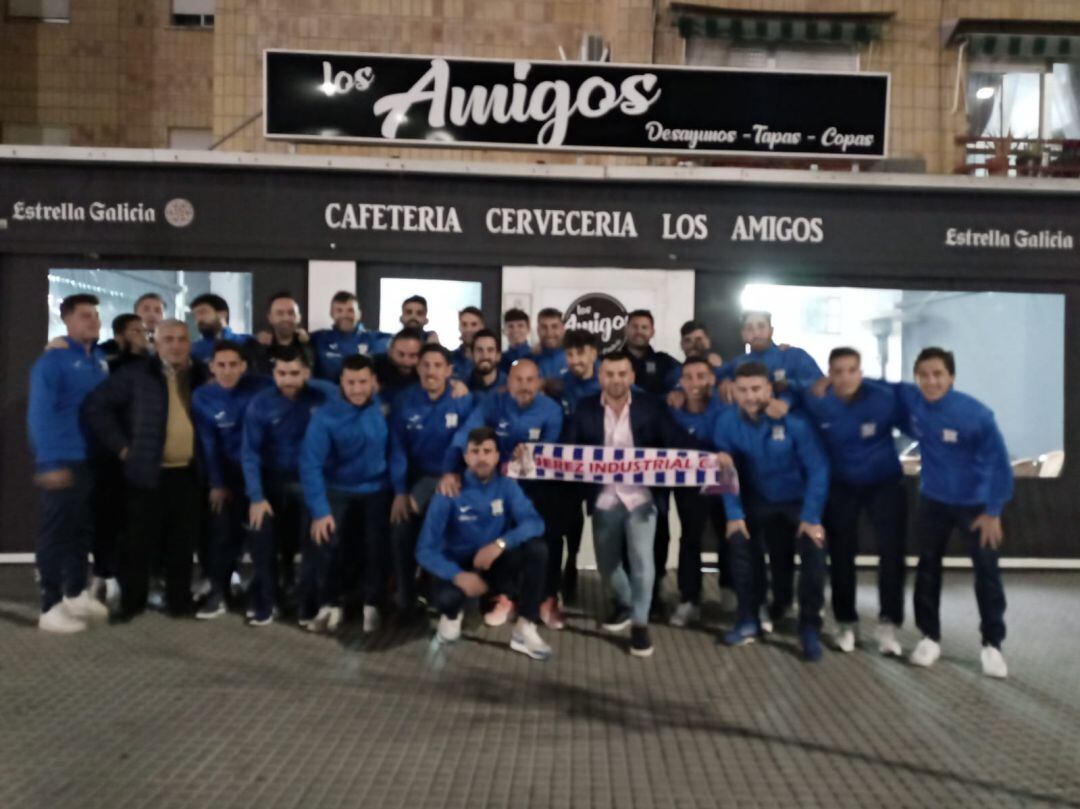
<point x="120" y="76"/>
<point x="117" y="74"/>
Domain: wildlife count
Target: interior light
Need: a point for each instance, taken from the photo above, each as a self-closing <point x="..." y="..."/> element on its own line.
<point x="757" y="297"/>
<point x="984" y="93"/>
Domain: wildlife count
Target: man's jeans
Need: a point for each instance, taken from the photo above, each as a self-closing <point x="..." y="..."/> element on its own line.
<point x="612" y="529"/>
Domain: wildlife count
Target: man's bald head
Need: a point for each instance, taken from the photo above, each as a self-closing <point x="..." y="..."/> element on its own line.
<point x="524" y="381"/>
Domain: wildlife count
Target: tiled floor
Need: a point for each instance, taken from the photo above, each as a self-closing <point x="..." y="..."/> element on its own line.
<point x="161" y="713"/>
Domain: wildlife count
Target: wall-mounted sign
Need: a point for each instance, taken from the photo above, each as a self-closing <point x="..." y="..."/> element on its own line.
<point x="572" y="106"/>
<point x="160" y="210"/>
<point x="603" y="315"/>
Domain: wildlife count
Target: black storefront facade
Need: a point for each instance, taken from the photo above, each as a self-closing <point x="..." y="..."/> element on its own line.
<point x="271" y="216"/>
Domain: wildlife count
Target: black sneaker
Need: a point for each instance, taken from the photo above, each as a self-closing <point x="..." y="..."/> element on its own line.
<point x="617" y="620"/>
<point x="213" y="607"/>
<point x="640" y="643"/>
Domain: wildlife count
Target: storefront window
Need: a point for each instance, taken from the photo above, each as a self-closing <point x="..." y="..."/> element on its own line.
<point x="119" y="289"/>
<point x="989" y="333"/>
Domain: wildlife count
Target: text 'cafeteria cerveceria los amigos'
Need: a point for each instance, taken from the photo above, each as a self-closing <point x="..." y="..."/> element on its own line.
<point x="558" y="222"/>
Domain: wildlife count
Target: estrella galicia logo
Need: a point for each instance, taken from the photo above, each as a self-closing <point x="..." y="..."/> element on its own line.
<point x="179" y="212"/>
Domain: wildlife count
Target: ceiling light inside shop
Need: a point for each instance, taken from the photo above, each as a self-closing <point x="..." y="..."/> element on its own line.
<point x="984" y="93"/>
<point x="757" y="297"/>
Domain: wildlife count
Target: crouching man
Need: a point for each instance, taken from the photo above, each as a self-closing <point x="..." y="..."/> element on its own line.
<point x="489" y="535"/>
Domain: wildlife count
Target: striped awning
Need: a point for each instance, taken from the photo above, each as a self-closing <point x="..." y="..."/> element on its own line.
<point x="1015" y="39"/>
<point x="755" y="26"/>
<point x="1024" y="46"/>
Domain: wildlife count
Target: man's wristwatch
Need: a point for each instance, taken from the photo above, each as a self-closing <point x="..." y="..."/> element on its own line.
<point x="501" y="543"/>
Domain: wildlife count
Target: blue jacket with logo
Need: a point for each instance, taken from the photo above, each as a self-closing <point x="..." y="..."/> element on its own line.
<point x="551" y="362"/>
<point x="455" y="528"/>
<point x="462" y="362"/>
<point x="858" y="434"/>
<point x="791" y="365"/>
<point x="656" y="372"/>
<point x="574" y="389"/>
<point x="422" y="433"/>
<point x="480" y="391"/>
<point x="332" y="347"/>
<point x="203" y="348"/>
<point x="345" y="449"/>
<point x="274" y="428"/>
<point x="219" y="422"/>
<point x="783" y="459"/>
<point x="60" y="381"/>
<point x="540" y="421"/>
<point x="964" y="459"/>
<point x="701" y="426"/>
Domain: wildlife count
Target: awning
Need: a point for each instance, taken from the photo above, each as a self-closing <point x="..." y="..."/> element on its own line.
<point x="758" y="26"/>
<point x="1015" y="39"/>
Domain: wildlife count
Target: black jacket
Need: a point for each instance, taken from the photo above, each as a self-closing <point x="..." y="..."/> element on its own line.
<point x="130" y="409"/>
<point x="655" y="372"/>
<point x="651" y="424"/>
<point x="392" y="380"/>
<point x="261" y="359"/>
<point x="123" y="358"/>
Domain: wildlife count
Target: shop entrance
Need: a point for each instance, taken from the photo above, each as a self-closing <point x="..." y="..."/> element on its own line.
<point x="447" y="288"/>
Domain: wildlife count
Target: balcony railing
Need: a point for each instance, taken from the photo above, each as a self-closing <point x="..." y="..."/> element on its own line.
<point x="1018" y="157"/>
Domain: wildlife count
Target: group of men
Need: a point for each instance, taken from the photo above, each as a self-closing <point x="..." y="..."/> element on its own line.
<point x="380" y="459"/>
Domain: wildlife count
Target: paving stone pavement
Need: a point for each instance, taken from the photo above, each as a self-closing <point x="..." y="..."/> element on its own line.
<point x="164" y="713"/>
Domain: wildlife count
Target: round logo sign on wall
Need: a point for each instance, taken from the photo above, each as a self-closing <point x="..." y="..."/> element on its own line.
<point x="601" y="314"/>
<point x="179" y="212"/>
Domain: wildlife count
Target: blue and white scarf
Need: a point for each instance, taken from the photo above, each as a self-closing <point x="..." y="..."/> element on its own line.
<point x="639" y="466"/>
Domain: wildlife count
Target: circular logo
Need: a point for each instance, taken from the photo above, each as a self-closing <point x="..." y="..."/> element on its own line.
<point x="601" y="314"/>
<point x="179" y="212"/>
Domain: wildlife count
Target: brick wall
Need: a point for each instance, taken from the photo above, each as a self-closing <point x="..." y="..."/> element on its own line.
<point x="117" y="74"/>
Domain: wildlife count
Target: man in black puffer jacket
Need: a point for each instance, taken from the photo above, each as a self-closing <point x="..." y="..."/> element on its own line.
<point x="142" y="415"/>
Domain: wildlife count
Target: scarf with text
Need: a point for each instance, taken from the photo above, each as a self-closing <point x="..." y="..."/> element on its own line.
<point x="642" y="466"/>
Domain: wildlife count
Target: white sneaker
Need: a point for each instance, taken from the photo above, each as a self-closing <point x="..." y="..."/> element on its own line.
<point x="526" y="639"/>
<point x="845" y="638"/>
<point x="319" y="622"/>
<point x="449" y="628"/>
<point x="59" y="621"/>
<point x="993" y="663"/>
<point x="236" y="585"/>
<point x="85" y="607"/>
<point x="155" y="599"/>
<point x="887" y="643"/>
<point x="372" y="619"/>
<point x="112" y="596"/>
<point x="334" y="619"/>
<point x="766" y="621"/>
<point x="686" y="613"/>
<point x="926" y="653"/>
